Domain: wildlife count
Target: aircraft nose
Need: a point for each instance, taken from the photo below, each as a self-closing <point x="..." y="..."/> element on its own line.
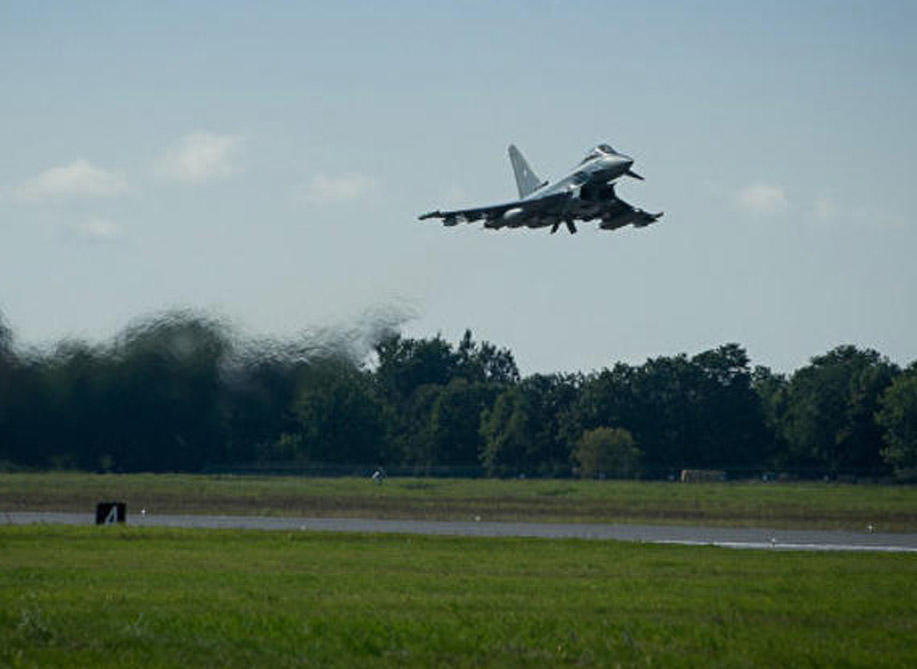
<point x="621" y="163"/>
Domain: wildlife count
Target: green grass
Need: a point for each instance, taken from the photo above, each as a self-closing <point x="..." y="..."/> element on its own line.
<point x="163" y="597"/>
<point x="778" y="505"/>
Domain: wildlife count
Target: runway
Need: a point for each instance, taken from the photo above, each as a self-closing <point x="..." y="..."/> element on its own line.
<point x="747" y="538"/>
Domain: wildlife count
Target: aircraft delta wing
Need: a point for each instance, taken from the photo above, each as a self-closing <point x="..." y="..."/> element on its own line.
<point x="585" y="194"/>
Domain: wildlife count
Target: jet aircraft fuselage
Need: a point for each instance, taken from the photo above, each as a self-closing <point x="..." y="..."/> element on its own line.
<point x="585" y="193"/>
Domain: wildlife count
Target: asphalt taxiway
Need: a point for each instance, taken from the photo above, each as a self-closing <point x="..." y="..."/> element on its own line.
<point x="727" y="537"/>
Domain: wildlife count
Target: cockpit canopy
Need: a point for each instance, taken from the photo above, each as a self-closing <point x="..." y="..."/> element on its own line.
<point x="599" y="151"/>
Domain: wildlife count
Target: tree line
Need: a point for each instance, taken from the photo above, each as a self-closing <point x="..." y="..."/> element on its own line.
<point x="180" y="392"/>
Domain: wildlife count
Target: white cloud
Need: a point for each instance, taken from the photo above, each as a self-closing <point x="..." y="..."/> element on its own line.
<point x="200" y="157"/>
<point x="98" y="231"/>
<point x="825" y="208"/>
<point x="326" y="190"/>
<point x="762" y="199"/>
<point x="78" y="179"/>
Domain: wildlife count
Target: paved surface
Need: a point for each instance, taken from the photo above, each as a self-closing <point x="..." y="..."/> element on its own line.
<point x="673" y="534"/>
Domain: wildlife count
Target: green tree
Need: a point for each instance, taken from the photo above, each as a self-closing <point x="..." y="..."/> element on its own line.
<point x="730" y="423"/>
<point x="339" y="415"/>
<point x="433" y="395"/>
<point x="829" y="420"/>
<point x="6" y="340"/>
<point x="79" y="388"/>
<point x="607" y="451"/>
<point x="410" y="428"/>
<point x="165" y="407"/>
<point x="455" y="420"/>
<point x="898" y="417"/>
<point x="771" y="389"/>
<point x="485" y="362"/>
<point x="525" y="429"/>
<point x="8" y="365"/>
<point x="656" y="402"/>
<point x="410" y="374"/>
<point x="406" y="364"/>
<point x="607" y="397"/>
<point x="507" y="432"/>
<point x="261" y="386"/>
<point x="549" y="398"/>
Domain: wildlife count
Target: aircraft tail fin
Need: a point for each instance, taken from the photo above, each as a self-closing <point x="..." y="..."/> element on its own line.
<point x="526" y="180"/>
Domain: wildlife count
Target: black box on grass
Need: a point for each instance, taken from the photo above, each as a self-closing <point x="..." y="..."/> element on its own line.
<point x="108" y="513"/>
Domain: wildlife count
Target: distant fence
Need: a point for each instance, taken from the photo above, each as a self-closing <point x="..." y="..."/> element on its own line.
<point x="675" y="474"/>
<point x="331" y="470"/>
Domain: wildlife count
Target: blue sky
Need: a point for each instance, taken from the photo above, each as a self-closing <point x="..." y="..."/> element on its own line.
<point x="266" y="162"/>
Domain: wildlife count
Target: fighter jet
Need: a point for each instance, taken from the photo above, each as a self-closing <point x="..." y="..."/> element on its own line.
<point x="587" y="192"/>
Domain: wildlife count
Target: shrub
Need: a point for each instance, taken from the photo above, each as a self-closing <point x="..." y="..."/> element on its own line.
<point x="607" y="451"/>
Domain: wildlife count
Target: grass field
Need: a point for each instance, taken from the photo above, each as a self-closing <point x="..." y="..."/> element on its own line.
<point x="778" y="505"/>
<point x="161" y="597"/>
